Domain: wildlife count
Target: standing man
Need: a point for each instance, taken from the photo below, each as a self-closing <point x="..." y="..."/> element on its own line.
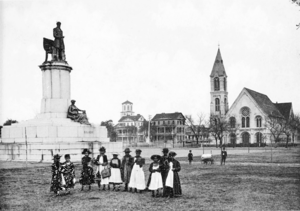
<point x="190" y="157"/>
<point x="223" y="155"/>
<point x="164" y="163"/>
<point x="59" y="46"/>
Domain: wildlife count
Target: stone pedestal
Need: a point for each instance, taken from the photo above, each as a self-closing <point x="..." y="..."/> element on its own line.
<point x="51" y="130"/>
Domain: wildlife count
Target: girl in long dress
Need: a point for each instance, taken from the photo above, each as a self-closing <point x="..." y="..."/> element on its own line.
<point x="102" y="163"/>
<point x="173" y="182"/>
<point x="115" y="177"/>
<point x="56" y="175"/>
<point x="155" y="178"/>
<point x="87" y="173"/>
<point x="137" y="178"/>
<point x="126" y="168"/>
<point x="68" y="172"/>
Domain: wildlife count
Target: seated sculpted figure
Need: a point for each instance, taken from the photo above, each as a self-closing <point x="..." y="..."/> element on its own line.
<point x="73" y="113"/>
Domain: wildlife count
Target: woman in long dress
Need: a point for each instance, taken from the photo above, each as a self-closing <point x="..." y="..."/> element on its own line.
<point x="137" y="178"/>
<point x="68" y="172"/>
<point x="155" y="178"/>
<point x="115" y="177"/>
<point x="173" y="182"/>
<point x="87" y="173"/>
<point x="102" y="163"/>
<point x="56" y="175"/>
<point x="126" y="168"/>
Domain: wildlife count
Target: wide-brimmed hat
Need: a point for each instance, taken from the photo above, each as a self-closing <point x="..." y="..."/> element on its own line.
<point x="57" y="156"/>
<point x="172" y="153"/>
<point x="138" y="150"/>
<point x="155" y="156"/>
<point x="115" y="153"/>
<point x="127" y="150"/>
<point x="102" y="149"/>
<point x="67" y="156"/>
<point x="86" y="150"/>
<point x="165" y="150"/>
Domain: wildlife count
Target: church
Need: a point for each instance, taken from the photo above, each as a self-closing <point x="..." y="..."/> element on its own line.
<point x="248" y="114"/>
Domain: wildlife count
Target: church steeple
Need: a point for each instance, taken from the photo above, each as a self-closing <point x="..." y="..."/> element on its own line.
<point x="218" y="82"/>
<point x="218" y="68"/>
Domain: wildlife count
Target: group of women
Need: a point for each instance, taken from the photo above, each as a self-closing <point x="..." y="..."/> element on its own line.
<point x="129" y="171"/>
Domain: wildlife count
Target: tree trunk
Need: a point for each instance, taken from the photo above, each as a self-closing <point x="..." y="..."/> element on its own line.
<point x="287" y="141"/>
<point x="216" y="142"/>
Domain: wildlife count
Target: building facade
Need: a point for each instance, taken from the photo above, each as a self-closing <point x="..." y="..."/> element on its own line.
<point x="169" y="127"/>
<point x="247" y="116"/>
<point x="129" y="125"/>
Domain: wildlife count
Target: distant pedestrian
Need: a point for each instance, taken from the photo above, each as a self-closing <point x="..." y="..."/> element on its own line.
<point x="190" y="157"/>
<point x="68" y="172"/>
<point x="223" y="156"/>
<point x="155" y="179"/>
<point x="115" y="177"/>
<point x="126" y="168"/>
<point x="137" y="177"/>
<point x="56" y="175"/>
<point x="173" y="186"/>
<point x="87" y="174"/>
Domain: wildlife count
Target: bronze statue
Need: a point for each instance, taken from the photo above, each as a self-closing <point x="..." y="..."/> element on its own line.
<point x="59" y="46"/>
<point x="73" y="113"/>
<point x="56" y="47"/>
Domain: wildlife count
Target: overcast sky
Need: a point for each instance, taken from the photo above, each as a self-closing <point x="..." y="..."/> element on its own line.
<point x="156" y="54"/>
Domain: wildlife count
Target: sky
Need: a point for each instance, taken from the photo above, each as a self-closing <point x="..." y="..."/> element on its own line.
<point x="157" y="54"/>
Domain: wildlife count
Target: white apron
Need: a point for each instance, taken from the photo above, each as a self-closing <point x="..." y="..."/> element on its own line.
<point x="100" y="168"/>
<point x="170" y="177"/>
<point x="137" y="178"/>
<point x="156" y="180"/>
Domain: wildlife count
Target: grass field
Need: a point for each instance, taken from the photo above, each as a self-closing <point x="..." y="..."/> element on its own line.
<point x="247" y="182"/>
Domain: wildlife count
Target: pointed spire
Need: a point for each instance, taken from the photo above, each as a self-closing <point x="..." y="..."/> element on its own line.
<point x="218" y="68"/>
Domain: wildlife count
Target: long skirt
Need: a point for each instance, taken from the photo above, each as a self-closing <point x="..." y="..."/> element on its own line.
<point x="87" y="176"/>
<point x="104" y="181"/>
<point x="115" y="177"/>
<point x="155" y="181"/>
<point x="126" y="173"/>
<point x="137" y="178"/>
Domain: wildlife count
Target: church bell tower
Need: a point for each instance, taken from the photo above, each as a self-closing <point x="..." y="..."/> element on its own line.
<point x="218" y="88"/>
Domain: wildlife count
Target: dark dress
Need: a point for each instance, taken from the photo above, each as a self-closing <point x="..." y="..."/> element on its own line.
<point x="97" y="163"/>
<point x="223" y="155"/>
<point x="87" y="173"/>
<point x="176" y="190"/>
<point x="56" y="177"/>
<point x="126" y="168"/>
<point x="164" y="166"/>
<point x="68" y="172"/>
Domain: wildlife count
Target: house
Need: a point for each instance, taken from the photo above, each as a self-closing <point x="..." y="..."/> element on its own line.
<point x="129" y="125"/>
<point x="169" y="126"/>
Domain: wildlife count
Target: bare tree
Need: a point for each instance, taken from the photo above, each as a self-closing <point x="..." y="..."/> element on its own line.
<point x="275" y="124"/>
<point x="196" y="127"/>
<point x="218" y="126"/>
<point x="295" y="126"/>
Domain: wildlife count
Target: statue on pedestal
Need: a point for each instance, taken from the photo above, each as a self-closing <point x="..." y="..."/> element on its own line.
<point x="73" y="113"/>
<point x="56" y="47"/>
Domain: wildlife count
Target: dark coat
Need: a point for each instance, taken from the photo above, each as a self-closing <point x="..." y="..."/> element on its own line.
<point x="56" y="182"/>
<point x="87" y="174"/>
<point x="68" y="171"/>
<point x="176" y="186"/>
<point x="152" y="171"/>
<point x="126" y="168"/>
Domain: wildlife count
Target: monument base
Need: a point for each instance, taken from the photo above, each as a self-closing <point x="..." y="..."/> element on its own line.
<point x="40" y="138"/>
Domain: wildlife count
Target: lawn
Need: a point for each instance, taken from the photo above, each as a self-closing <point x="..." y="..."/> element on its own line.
<point x="240" y="185"/>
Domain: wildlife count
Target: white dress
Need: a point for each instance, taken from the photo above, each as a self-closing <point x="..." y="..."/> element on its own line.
<point x="170" y="177"/>
<point x="100" y="168"/>
<point x="156" y="180"/>
<point x="137" y="178"/>
<point x="115" y="173"/>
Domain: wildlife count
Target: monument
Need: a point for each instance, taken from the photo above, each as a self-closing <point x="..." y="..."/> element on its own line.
<point x="60" y="127"/>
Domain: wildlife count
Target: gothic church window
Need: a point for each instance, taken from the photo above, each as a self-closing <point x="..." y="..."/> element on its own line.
<point x="245" y="111"/>
<point x="217" y="84"/>
<point x="258" y="121"/>
<point x="225" y="84"/>
<point x="232" y="122"/>
<point x="217" y="103"/>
